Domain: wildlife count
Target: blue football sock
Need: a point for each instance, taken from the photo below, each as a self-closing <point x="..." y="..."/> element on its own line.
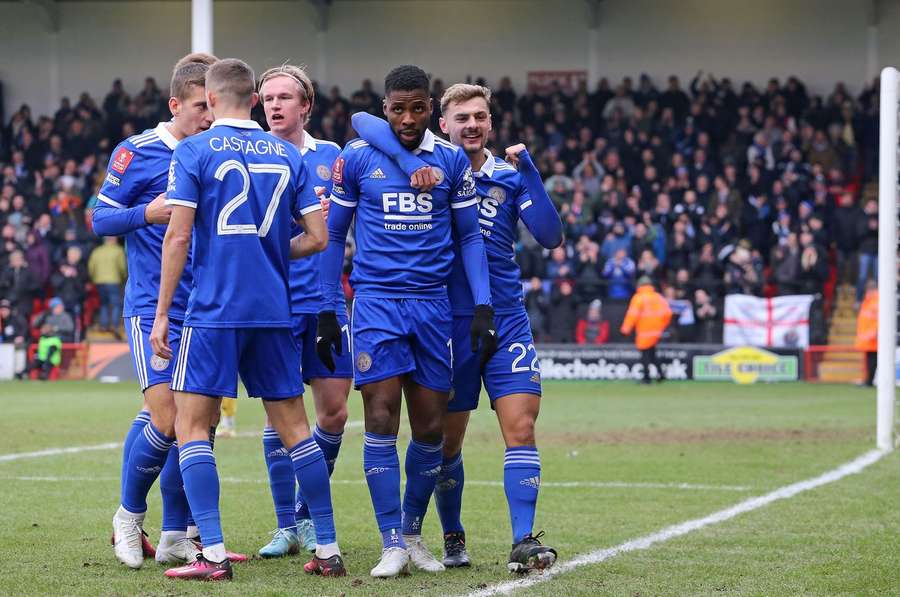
<point x="312" y="475"/>
<point x="175" y="509"/>
<point x="201" y="484"/>
<point x="148" y="455"/>
<point x="382" y="467"/>
<point x="521" y="482"/>
<point x="423" y="465"/>
<point x="448" y="493"/>
<point x="281" y="477"/>
<point x="140" y="421"/>
<point x="330" y="444"/>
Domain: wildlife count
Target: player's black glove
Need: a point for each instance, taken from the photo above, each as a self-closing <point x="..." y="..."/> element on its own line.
<point x="484" y="332"/>
<point x="328" y="334"/>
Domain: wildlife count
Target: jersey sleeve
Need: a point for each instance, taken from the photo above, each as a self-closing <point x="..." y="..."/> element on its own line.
<point x="344" y="185"/>
<point x="305" y="201"/>
<point x="378" y="132"/>
<point x="126" y="177"/>
<point x="462" y="192"/>
<point x="184" y="184"/>
<point x="535" y="207"/>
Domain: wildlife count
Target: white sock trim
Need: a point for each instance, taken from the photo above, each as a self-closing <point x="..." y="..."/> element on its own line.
<point x="328" y="550"/>
<point x="215" y="553"/>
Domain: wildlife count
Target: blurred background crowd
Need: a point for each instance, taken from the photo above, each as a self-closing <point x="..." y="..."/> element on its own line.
<point x="708" y="187"/>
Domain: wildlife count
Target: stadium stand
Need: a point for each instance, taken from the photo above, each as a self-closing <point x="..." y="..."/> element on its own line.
<point x="710" y="190"/>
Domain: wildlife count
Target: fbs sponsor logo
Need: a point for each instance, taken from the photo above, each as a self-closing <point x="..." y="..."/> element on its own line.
<point x="746" y="365"/>
<point x="377" y="174"/>
<point x="533" y="482"/>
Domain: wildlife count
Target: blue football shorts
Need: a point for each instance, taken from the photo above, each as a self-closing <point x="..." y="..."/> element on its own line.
<point x="514" y="368"/>
<point x="398" y="336"/>
<point x="151" y="369"/>
<point x="304" y="329"/>
<point x="211" y="359"/>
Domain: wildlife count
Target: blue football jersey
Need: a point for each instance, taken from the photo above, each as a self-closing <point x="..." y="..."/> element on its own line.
<point x="136" y="175"/>
<point x="502" y="197"/>
<point x="403" y="237"/>
<point x="247" y="187"/>
<point x="306" y="295"/>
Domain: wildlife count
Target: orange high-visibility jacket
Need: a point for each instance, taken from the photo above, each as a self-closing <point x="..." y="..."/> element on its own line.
<point x="649" y="315"/>
<point x="867" y="324"/>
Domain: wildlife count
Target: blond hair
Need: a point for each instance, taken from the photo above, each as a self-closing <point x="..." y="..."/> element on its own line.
<point x="201" y="57"/>
<point x="233" y="80"/>
<point x="463" y="92"/>
<point x="298" y="74"/>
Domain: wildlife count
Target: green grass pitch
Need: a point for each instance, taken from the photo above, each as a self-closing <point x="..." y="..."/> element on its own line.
<point x="612" y="453"/>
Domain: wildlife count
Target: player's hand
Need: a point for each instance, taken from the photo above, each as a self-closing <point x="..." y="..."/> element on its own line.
<point x="484" y="332"/>
<point x="328" y="334"/>
<point x="423" y="179"/>
<point x="512" y="154"/>
<point x="324" y="200"/>
<point x="159" y="337"/>
<point x="157" y="212"/>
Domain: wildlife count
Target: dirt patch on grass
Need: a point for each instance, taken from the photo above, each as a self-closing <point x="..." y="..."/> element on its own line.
<point x="701" y="436"/>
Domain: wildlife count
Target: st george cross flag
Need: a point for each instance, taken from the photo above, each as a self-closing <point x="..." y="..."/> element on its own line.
<point x="781" y="322"/>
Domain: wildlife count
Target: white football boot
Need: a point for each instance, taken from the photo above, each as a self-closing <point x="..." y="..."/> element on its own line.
<point x="419" y="555"/>
<point x="394" y="562"/>
<point x="127" y="538"/>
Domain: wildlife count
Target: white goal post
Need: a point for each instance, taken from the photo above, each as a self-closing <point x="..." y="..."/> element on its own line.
<point x="887" y="255"/>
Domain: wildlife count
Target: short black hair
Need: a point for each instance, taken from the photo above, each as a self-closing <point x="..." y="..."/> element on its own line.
<point x="406" y="77"/>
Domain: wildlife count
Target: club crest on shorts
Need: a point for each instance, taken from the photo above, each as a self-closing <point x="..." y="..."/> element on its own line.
<point x="497" y="194"/>
<point x="364" y="362"/>
<point x="157" y="363"/>
<point x="323" y="172"/>
<point x="438" y="174"/>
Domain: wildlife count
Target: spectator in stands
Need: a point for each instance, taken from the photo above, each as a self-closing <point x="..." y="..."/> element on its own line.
<point x="37" y="255"/>
<point x="619" y="271"/>
<point x="59" y="321"/>
<point x="13" y="327"/>
<point x="48" y="355"/>
<point x="18" y="283"/>
<point x="562" y="317"/>
<point x="108" y="272"/>
<point x="867" y="231"/>
<point x="592" y="329"/>
<point x="560" y="265"/>
<point x="70" y="280"/>
<point x="706" y="312"/>
<point x="743" y="272"/>
<point x="786" y="265"/>
<point x="537" y="304"/>
<point x="813" y="266"/>
<point x="845" y="231"/>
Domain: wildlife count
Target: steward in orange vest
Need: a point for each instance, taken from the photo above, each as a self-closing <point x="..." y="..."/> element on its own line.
<point x="867" y="332"/>
<point x="648" y="315"/>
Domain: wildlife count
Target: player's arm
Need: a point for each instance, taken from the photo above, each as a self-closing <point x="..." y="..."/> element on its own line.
<point x="464" y="212"/>
<point x="183" y="193"/>
<point x="377" y="133"/>
<point x="535" y="206"/>
<point x="126" y="178"/>
<point x="308" y="207"/>
<point x="344" y="199"/>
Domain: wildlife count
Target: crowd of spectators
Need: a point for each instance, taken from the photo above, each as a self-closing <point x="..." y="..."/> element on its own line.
<point x="710" y="190"/>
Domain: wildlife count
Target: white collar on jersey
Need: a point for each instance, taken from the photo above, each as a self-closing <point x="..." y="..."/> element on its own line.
<point x="487" y="169"/>
<point x="168" y="138"/>
<point x="237" y="123"/>
<point x="309" y="143"/>
<point x="427" y="143"/>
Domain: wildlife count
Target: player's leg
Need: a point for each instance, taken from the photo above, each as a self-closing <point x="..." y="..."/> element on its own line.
<point x="448" y="490"/>
<point x="281" y="485"/>
<point x="513" y="382"/>
<point x="268" y="368"/>
<point x="205" y="369"/>
<point x="148" y="454"/>
<point x="427" y="390"/>
<point x="330" y="390"/>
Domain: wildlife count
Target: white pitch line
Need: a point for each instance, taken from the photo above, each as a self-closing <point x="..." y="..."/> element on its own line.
<point x="671" y="532"/>
<point x="57" y="451"/>
<point x="546" y="484"/>
<point x="115" y="445"/>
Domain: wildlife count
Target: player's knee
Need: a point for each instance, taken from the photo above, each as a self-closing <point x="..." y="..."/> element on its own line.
<point x="520" y="431"/>
<point x="452" y="444"/>
<point x="333" y="419"/>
